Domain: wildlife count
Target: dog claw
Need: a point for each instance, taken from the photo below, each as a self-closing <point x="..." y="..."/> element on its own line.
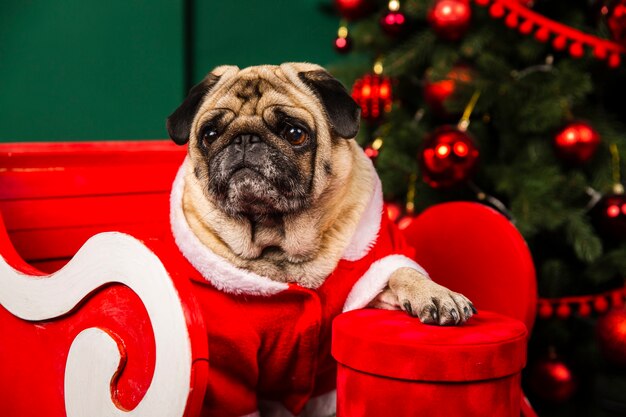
<point x="473" y="309"/>
<point x="455" y="315"/>
<point x="408" y="308"/>
<point x="466" y="311"/>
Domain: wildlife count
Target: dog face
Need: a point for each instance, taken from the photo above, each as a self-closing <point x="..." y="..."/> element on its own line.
<point x="265" y="140"/>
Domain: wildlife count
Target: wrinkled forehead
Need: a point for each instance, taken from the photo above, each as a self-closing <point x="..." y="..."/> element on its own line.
<point x="255" y="91"/>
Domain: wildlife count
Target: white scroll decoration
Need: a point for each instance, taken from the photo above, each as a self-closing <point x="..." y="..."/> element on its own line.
<point x="94" y="356"/>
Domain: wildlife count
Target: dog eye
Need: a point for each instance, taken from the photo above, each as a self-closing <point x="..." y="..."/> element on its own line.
<point x="295" y="135"/>
<point x="208" y="136"/>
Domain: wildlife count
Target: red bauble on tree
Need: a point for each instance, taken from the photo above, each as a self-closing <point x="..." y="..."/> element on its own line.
<point x="448" y="157"/>
<point x="611" y="334"/>
<point x="373" y="94"/>
<point x="450" y="19"/>
<point x="437" y="92"/>
<point x="616" y="21"/>
<point x="393" y="210"/>
<point x="343" y="42"/>
<point x="343" y="45"/>
<point x="609" y="214"/>
<point x="577" y="142"/>
<point x="394" y="22"/>
<point x="552" y="380"/>
<point x="406" y="221"/>
<point x="353" y="9"/>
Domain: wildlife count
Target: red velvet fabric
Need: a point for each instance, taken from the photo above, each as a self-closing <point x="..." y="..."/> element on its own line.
<point x="392" y="364"/>
<point x="472" y="249"/>
<point x="277" y="347"/>
<point x="360" y="394"/>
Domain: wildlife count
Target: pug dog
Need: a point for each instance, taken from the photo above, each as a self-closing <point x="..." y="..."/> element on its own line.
<point x="276" y="205"/>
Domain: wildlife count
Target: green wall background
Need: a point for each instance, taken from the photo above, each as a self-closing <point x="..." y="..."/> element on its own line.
<point x="94" y="70"/>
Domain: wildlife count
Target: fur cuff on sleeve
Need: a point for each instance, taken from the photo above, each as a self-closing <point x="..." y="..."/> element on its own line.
<point x="375" y="280"/>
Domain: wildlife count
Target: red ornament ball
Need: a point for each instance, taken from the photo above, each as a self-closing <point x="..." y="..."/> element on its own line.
<point x="343" y="45"/>
<point x="616" y="21"/>
<point x="371" y="153"/>
<point x="406" y="222"/>
<point x="437" y="92"/>
<point x="450" y="19"/>
<point x="373" y="93"/>
<point x="393" y="210"/>
<point x="393" y="23"/>
<point x="609" y="214"/>
<point x="353" y="9"/>
<point x="448" y="157"/>
<point x="552" y="380"/>
<point x="611" y="335"/>
<point x="577" y="142"/>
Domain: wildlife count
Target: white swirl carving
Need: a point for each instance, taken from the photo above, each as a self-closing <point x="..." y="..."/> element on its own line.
<point x="94" y="356"/>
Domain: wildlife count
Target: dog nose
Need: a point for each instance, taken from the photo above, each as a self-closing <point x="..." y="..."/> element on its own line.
<point x="242" y="142"/>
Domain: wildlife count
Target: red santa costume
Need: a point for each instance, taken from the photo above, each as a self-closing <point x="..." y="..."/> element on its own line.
<point x="269" y="342"/>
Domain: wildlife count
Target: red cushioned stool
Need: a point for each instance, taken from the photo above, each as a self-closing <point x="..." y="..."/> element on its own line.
<point x="390" y="364"/>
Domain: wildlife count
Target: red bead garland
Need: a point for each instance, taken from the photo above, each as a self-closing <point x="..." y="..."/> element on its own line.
<point x="516" y="14"/>
<point x="583" y="306"/>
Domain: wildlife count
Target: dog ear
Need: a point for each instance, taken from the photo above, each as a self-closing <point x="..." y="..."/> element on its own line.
<point x="342" y="111"/>
<point x="179" y="123"/>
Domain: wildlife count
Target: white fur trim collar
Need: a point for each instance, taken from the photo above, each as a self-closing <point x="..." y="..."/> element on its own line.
<point x="228" y="278"/>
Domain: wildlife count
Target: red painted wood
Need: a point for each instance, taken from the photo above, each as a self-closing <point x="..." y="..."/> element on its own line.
<point x="43" y="348"/>
<point x="71" y="181"/>
<point x="63" y="154"/>
<point x="55" y="197"/>
<point x="40" y="348"/>
<point x="80" y="211"/>
<point x="50" y="244"/>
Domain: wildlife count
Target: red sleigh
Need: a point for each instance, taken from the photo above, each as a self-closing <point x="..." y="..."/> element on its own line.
<point x="114" y="330"/>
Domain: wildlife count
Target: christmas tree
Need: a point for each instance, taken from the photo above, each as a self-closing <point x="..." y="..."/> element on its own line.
<point x="518" y="106"/>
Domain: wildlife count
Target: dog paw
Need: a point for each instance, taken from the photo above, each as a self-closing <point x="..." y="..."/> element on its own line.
<point x="430" y="302"/>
